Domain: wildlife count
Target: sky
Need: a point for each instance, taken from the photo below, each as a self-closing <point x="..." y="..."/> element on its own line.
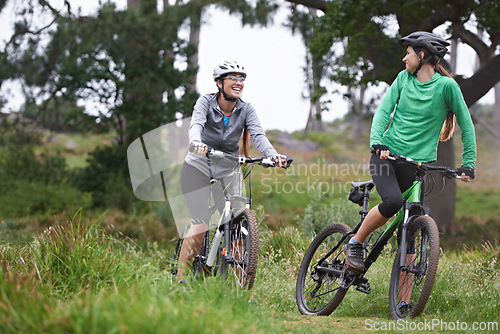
<point x="273" y="57"/>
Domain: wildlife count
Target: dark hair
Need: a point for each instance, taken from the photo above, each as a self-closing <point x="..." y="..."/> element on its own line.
<point x="449" y="123"/>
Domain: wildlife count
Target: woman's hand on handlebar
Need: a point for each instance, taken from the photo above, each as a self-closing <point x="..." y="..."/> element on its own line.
<point x="281" y="160"/>
<point x="466" y="173"/>
<point x="381" y="150"/>
<point x="197" y="147"/>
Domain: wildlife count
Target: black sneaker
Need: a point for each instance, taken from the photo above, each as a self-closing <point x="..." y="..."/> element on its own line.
<point x="404" y="308"/>
<point x="354" y="257"/>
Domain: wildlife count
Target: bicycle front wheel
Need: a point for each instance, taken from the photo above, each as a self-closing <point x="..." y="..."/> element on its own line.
<point x="318" y="290"/>
<point x="411" y="284"/>
<point x="244" y="240"/>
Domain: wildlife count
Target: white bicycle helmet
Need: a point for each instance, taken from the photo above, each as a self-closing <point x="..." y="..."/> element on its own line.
<point x="227" y="67"/>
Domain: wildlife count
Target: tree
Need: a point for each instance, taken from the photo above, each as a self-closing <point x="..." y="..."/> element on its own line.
<point x="127" y="62"/>
<point x="302" y="21"/>
<point x="122" y="61"/>
<point x="372" y="30"/>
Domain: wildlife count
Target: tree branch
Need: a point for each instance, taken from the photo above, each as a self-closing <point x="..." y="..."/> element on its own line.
<point x="482" y="50"/>
<point x="481" y="82"/>
<point x="440" y="16"/>
<point x="318" y="4"/>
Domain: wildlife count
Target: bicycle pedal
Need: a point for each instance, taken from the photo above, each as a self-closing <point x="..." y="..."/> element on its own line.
<point x="347" y="279"/>
<point x="365" y="288"/>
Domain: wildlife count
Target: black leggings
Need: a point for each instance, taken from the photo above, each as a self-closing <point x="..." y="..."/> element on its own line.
<point x="391" y="179"/>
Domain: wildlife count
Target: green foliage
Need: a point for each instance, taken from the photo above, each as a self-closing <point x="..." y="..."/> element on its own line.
<point x="322" y="211"/>
<point x="14" y="131"/>
<point x="124" y="60"/>
<point x="286" y="243"/>
<point x="106" y="177"/>
<point x="70" y="258"/>
<point x="360" y="39"/>
<point x="33" y="186"/>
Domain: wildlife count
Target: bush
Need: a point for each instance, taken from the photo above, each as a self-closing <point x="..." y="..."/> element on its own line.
<point x="24" y="198"/>
<point x="31" y="185"/>
<point x="322" y="211"/>
<point x="106" y="177"/>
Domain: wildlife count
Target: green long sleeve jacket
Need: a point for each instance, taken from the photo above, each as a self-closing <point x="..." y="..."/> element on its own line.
<point x="419" y="113"/>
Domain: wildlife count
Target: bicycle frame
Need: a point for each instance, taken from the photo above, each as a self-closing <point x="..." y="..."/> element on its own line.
<point x="412" y="208"/>
<point x="224" y="224"/>
<point x="229" y="214"/>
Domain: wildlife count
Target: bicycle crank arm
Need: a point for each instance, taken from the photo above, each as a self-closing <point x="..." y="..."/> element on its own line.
<point x="335" y="272"/>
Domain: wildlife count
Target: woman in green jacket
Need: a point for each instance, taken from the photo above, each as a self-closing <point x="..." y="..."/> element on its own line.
<point x="426" y="101"/>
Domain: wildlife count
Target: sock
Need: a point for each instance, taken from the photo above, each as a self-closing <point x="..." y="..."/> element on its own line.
<point x="353" y="241"/>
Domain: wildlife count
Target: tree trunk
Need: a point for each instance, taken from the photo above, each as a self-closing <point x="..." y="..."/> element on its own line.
<point x="314" y="74"/>
<point x="496" y="110"/>
<point x="314" y="121"/>
<point x="357" y="111"/>
<point x="443" y="206"/>
<point x="133" y="3"/>
<point x="194" y="40"/>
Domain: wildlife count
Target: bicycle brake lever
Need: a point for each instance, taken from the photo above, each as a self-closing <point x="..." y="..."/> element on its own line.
<point x="266" y="162"/>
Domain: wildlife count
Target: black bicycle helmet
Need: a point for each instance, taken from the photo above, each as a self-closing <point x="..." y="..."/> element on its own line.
<point x="423" y="39"/>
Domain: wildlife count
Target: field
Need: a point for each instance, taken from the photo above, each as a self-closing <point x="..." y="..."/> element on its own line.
<point x="107" y="271"/>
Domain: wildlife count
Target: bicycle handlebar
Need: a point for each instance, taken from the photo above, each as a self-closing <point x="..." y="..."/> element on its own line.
<point x="447" y="171"/>
<point x="264" y="162"/>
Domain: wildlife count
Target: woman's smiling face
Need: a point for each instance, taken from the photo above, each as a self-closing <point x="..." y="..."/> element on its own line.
<point x="411" y="59"/>
<point x="233" y="85"/>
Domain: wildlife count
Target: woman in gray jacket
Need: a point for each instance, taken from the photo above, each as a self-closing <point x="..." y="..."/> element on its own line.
<point x="218" y="122"/>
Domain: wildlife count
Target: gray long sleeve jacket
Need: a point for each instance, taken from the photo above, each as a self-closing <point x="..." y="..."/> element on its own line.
<point x="207" y="126"/>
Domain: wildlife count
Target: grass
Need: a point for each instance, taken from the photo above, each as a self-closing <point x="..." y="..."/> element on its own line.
<point x="75" y="147"/>
<point x="103" y="274"/>
<point x="77" y="278"/>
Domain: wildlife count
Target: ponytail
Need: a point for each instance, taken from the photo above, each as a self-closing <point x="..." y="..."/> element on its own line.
<point x="449" y="123"/>
<point x="245" y="145"/>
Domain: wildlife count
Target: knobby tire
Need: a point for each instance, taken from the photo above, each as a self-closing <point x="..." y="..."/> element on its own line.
<point x="319" y="293"/>
<point x="413" y="283"/>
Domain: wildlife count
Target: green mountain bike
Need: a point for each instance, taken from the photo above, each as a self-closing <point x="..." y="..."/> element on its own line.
<point x="324" y="279"/>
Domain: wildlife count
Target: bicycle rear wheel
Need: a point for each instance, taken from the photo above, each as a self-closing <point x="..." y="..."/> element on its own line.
<point x="318" y="292"/>
<point x="411" y="285"/>
<point x="244" y="240"/>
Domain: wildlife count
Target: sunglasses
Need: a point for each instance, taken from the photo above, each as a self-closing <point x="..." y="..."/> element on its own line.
<point x="235" y="78"/>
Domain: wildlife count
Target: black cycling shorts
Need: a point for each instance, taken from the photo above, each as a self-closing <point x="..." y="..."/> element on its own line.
<point x="391" y="179"/>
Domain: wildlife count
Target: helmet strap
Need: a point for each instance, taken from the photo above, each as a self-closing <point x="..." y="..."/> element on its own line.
<point x="226" y="97"/>
<point x="422" y="62"/>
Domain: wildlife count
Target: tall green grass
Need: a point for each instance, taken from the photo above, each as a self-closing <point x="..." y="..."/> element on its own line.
<point x="78" y="278"/>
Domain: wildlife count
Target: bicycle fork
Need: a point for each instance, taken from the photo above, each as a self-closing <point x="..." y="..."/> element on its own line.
<point x="405" y="243"/>
<point x="224" y="219"/>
